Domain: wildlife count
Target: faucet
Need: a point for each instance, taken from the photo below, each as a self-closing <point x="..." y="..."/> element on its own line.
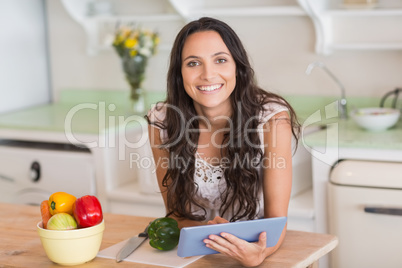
<point x="342" y="103"/>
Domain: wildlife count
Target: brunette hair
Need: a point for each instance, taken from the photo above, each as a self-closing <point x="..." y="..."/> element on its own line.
<point x="247" y="99"/>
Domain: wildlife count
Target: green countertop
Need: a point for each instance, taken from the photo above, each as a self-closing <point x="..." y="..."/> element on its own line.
<point x="320" y="111"/>
<point x="347" y="134"/>
<point x="91" y="111"/>
<point x="88" y="111"/>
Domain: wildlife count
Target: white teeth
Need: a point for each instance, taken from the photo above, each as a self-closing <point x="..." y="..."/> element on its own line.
<point x="209" y="88"/>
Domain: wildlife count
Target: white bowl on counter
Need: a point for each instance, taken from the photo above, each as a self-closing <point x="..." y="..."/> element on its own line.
<point x="375" y="119"/>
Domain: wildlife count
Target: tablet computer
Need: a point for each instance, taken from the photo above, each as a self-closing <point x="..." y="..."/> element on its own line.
<point x="191" y="238"/>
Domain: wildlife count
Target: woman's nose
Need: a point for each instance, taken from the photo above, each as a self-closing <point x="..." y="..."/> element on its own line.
<point x="208" y="71"/>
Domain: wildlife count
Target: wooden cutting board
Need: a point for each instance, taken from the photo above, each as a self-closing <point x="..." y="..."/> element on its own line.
<point x="149" y="255"/>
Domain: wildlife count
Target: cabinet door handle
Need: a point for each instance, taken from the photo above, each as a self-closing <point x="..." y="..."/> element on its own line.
<point x="35" y="171"/>
<point x="384" y="210"/>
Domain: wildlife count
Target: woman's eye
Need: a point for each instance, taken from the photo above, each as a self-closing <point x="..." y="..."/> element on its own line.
<point x="192" y="64"/>
<point x="221" y="60"/>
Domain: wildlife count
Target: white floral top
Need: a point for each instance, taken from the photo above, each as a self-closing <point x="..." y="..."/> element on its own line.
<point x="210" y="178"/>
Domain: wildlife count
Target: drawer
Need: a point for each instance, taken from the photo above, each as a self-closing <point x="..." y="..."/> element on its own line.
<point x="30" y="173"/>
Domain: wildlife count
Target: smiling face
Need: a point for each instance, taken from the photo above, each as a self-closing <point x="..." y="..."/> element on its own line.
<point x="208" y="71"/>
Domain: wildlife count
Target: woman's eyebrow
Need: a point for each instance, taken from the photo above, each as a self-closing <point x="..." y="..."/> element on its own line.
<point x="220" y="53"/>
<point x="191" y="57"/>
<point x="213" y="55"/>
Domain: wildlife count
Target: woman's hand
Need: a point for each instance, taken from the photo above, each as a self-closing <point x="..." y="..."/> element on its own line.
<point x="248" y="254"/>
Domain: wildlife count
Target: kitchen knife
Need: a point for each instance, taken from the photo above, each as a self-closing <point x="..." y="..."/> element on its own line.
<point x="132" y="244"/>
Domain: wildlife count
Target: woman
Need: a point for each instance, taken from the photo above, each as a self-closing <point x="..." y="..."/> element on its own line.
<point x="222" y="145"/>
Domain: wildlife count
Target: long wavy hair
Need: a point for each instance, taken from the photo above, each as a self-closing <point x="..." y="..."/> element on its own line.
<point x="243" y="181"/>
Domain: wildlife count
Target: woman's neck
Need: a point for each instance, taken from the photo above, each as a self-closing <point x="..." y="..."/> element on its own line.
<point x="216" y="118"/>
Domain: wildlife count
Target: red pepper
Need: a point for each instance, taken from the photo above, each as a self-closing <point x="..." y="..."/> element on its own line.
<point x="87" y="211"/>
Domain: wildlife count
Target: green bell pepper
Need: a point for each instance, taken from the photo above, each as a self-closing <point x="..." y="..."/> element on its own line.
<point x="164" y="233"/>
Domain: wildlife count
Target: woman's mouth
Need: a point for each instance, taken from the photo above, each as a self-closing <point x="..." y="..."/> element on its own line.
<point x="210" y="88"/>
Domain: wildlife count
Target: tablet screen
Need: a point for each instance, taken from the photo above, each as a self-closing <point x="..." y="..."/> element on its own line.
<point x="191" y="238"/>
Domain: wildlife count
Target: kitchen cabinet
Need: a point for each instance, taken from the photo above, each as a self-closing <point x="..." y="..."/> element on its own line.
<point x="338" y="27"/>
<point x="99" y="18"/>
<point x="190" y="10"/>
<point x="99" y="21"/>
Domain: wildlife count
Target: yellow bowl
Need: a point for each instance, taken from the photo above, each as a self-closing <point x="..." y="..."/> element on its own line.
<point x="71" y="247"/>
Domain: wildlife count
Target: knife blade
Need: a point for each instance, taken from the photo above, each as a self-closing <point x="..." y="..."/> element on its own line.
<point x="132" y="244"/>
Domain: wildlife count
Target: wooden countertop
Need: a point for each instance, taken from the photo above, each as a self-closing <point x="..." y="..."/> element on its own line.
<point x="20" y="245"/>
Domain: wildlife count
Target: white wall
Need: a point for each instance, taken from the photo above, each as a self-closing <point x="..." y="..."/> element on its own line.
<point x="280" y="49"/>
<point x="23" y="55"/>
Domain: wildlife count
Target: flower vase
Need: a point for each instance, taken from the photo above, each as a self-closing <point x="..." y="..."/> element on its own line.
<point x="134" y="68"/>
<point x="137" y="101"/>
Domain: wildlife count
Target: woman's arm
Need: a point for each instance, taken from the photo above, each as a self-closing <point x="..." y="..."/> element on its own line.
<point x="161" y="156"/>
<point x="277" y="184"/>
<point x="278" y="170"/>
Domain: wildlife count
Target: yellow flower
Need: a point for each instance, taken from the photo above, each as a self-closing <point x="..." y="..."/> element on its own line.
<point x="133" y="53"/>
<point x="118" y="40"/>
<point x="130" y="43"/>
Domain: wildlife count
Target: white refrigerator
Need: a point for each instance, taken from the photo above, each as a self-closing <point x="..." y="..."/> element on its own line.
<point x="365" y="213"/>
<point x="24" y="61"/>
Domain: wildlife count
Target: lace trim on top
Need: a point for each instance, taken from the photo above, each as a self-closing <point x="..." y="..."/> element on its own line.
<point x="211" y="182"/>
<point x="206" y="171"/>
